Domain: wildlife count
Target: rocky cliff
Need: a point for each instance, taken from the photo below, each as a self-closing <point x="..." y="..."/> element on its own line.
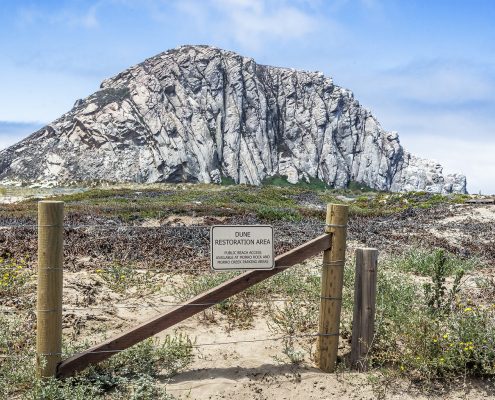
<point x="201" y="114"/>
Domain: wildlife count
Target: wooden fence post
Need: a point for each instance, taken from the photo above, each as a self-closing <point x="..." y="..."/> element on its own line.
<point x="49" y="305"/>
<point x="363" y="323"/>
<point x="332" y="278"/>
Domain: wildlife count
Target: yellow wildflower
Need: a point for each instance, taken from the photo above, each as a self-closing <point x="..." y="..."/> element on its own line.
<point x="468" y="309"/>
<point x="446" y="336"/>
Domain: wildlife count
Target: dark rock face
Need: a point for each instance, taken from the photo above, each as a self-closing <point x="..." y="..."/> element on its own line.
<point x="198" y="113"/>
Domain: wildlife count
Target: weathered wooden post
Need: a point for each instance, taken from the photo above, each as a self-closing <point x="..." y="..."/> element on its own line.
<point x="49" y="306"/>
<point x="332" y="279"/>
<point x="363" y="324"/>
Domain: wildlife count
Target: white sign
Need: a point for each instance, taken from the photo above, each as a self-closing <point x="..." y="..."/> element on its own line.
<point x="241" y="247"/>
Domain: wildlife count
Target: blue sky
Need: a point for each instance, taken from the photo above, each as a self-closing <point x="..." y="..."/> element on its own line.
<point x="425" y="68"/>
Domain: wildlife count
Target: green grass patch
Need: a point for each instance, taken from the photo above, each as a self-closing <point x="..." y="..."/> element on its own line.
<point x="355" y="186"/>
<point x="423" y="262"/>
<point x="281" y="181"/>
<point x="135" y="373"/>
<point x="227" y="181"/>
<point x="266" y="202"/>
<point x="14" y="276"/>
<point x="429" y="329"/>
<point x="120" y="278"/>
<point x="275" y="200"/>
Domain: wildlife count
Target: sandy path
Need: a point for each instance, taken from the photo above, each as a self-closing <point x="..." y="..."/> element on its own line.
<point x="238" y="364"/>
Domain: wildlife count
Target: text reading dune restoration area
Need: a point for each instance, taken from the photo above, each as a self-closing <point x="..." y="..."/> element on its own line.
<point x="242" y="247"/>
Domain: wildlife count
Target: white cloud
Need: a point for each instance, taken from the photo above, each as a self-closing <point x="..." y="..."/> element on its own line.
<point x="11" y="132"/>
<point x="472" y="158"/>
<point x="442" y="111"/>
<point x="86" y="18"/>
<point x="371" y="4"/>
<point x="440" y="81"/>
<point x="461" y="140"/>
<point x="89" y="19"/>
<point x="436" y="122"/>
<point x="9" y="140"/>
<point x="252" y="23"/>
<point x="40" y="95"/>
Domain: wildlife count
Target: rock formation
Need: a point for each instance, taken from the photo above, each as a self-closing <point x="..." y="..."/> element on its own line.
<point x="201" y="114"/>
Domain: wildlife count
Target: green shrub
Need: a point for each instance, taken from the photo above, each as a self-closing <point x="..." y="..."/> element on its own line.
<point x="294" y="316"/>
<point x="227" y="181"/>
<point x="17" y="343"/>
<point x="14" y="275"/>
<point x="431" y="333"/>
<point x="120" y="278"/>
<point x="194" y="285"/>
<point x="296" y="282"/>
<point x="359" y="187"/>
<point x="423" y="262"/>
<point x="152" y="357"/>
<point x="458" y="344"/>
<point x="277" y="214"/>
<point x="281" y="181"/>
<point x="239" y="309"/>
<point x="397" y="297"/>
<point x="132" y="374"/>
<point x="438" y="298"/>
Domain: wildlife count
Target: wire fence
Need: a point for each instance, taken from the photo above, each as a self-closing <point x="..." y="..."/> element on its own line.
<point x="112" y="241"/>
<point x="98" y="269"/>
<point x="162" y="305"/>
<point x="106" y="247"/>
<point x="193" y="344"/>
<point x="106" y="226"/>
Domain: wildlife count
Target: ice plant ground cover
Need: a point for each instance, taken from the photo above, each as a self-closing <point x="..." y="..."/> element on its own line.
<point x="132" y="252"/>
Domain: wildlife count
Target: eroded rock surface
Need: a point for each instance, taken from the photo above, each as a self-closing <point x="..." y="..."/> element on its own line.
<point x="201" y="114"/>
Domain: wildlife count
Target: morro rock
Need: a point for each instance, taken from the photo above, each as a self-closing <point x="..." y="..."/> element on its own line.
<point x="202" y="114"/>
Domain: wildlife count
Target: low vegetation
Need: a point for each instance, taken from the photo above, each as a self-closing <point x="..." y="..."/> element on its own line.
<point x="427" y="328"/>
<point x="435" y="313"/>
<point x="121" y="278"/>
<point x="277" y="200"/>
<point x="14" y="275"/>
<point x="132" y="374"/>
